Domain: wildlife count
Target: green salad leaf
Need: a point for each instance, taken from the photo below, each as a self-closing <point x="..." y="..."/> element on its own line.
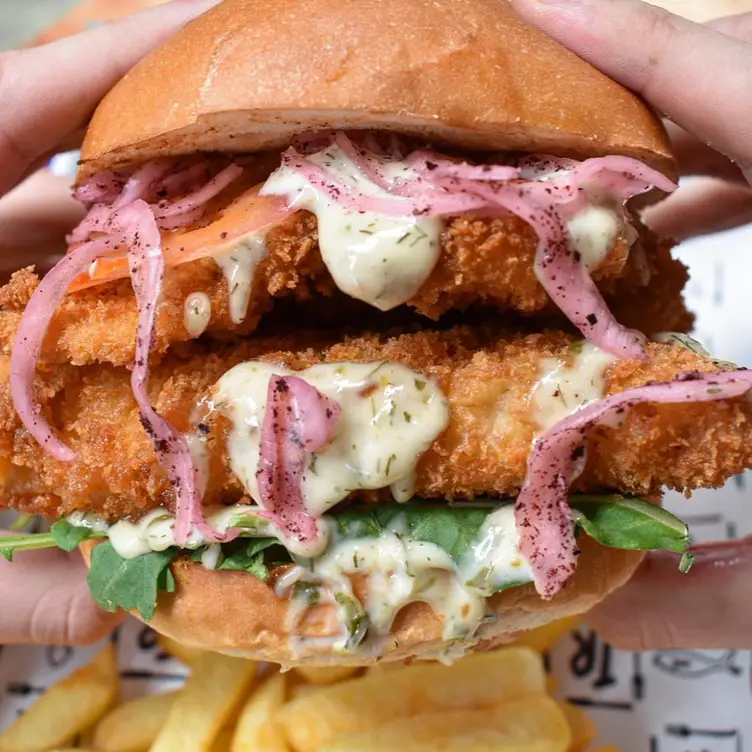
<point x="9" y="544"/>
<point x="68" y="537"/>
<point x="130" y="584"/>
<point x="612" y="520"/>
<point x="248" y="555"/>
<point x="453" y="528"/>
<point x="620" y="522"/>
<point x="62" y="535"/>
<point x="134" y="584"/>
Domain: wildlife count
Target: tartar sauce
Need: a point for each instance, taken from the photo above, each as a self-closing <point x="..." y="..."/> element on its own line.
<point x="685" y="342"/>
<point x="154" y="531"/>
<point x="197" y="313"/>
<point x="375" y="258"/>
<point x="494" y="561"/>
<point x="399" y="570"/>
<point x="566" y="386"/>
<point x="595" y="229"/>
<point x="390" y="416"/>
<point x="238" y="262"/>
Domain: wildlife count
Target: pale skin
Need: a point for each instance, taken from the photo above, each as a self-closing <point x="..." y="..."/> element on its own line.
<point x="48" y="94"/>
<point x="700" y="78"/>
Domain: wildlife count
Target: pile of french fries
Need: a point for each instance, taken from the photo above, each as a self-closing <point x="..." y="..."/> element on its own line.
<point x="500" y="701"/>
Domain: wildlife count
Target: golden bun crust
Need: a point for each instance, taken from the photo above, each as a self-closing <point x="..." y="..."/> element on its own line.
<point x="249" y="74"/>
<point x="234" y="613"/>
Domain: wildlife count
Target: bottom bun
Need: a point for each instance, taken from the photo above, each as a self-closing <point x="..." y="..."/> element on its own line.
<point x="237" y="614"/>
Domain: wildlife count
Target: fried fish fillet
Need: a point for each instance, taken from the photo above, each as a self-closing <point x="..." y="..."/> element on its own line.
<point x="483" y="261"/>
<point x="486" y="376"/>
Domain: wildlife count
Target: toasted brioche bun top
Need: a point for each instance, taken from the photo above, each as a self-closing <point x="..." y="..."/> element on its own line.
<point x="250" y="74"/>
<point x="235" y="613"/>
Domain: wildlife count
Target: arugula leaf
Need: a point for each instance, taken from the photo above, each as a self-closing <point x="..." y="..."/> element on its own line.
<point x="245" y="555"/>
<point x="69" y="536"/>
<point x="12" y="543"/>
<point x="453" y="528"/>
<point x="62" y="535"/>
<point x="612" y="520"/>
<point x="130" y="584"/>
<point x="633" y="524"/>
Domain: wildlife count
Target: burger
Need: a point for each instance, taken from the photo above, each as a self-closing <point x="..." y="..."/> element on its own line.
<point x="362" y="352"/>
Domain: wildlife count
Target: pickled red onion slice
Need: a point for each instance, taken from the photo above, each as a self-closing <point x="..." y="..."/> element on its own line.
<point x="102" y="188"/>
<point x="564" y="276"/>
<point x="139" y="183"/>
<point x="542" y="510"/>
<point x="200" y="196"/>
<point x="30" y="336"/>
<point x="299" y="420"/>
<point x="141" y="235"/>
<point x="159" y="177"/>
<point x="428" y="163"/>
<point x="95" y="221"/>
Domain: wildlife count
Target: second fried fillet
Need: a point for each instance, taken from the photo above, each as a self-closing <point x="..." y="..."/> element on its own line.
<point x="502" y="390"/>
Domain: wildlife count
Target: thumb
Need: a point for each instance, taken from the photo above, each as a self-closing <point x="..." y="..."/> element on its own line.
<point x="46" y="600"/>
<point x="710" y="607"/>
<point x="48" y="93"/>
<point x="698" y="77"/>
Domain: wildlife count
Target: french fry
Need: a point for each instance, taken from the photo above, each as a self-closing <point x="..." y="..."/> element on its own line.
<point x="135" y="725"/>
<point x="183" y="653"/>
<point x="86" y="738"/>
<point x="364" y="704"/>
<point x="325" y="674"/>
<point x="552" y="684"/>
<point x="299" y="690"/>
<point x="605" y="748"/>
<point x="583" y="729"/>
<point x="67" y="708"/>
<point x="387" y="668"/>
<point x="257" y="731"/>
<point x="532" y="724"/>
<point x="544" y="638"/>
<point x="223" y="742"/>
<point x="206" y="703"/>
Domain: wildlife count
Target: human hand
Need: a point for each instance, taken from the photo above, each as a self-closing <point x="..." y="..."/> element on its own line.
<point x="661" y="608"/>
<point x="699" y="77"/>
<point x="46" y="600"/>
<point x="47" y="95"/>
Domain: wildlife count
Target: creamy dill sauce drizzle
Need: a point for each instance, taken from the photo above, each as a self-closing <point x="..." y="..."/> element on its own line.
<point x="402" y="571"/>
<point x="197" y="313"/>
<point x="378" y="259"/>
<point x="494" y="560"/>
<point x="595" y="229"/>
<point x="565" y="387"/>
<point x="390" y="416"/>
<point x="238" y="262"/>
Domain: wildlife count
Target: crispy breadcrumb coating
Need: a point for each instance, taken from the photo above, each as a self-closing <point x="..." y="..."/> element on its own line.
<point x="486" y="376"/>
<point x="483" y="261"/>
